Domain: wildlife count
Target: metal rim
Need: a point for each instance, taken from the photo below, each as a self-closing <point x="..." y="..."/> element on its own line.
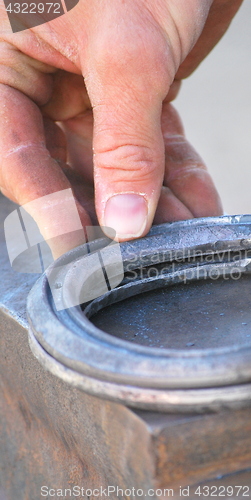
<point x="77" y="344"/>
<point x="171" y="401"/>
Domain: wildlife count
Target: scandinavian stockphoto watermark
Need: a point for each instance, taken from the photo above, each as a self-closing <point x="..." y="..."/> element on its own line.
<point x="186" y="265"/>
<point x="27" y="14"/>
<point x="100" y="265"/>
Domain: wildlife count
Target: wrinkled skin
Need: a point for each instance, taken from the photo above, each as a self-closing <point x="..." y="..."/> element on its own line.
<point x="107" y="71"/>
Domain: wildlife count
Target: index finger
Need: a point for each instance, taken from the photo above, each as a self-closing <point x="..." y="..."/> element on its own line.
<point x="28" y="173"/>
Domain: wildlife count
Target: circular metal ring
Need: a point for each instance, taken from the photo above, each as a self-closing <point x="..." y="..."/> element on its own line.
<point x="113" y="364"/>
<point x="171" y="401"/>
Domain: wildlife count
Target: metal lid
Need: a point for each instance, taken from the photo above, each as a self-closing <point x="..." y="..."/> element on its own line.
<point x="183" y="375"/>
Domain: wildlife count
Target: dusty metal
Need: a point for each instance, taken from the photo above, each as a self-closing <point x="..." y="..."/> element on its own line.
<point x="167" y="379"/>
<point x="53" y="433"/>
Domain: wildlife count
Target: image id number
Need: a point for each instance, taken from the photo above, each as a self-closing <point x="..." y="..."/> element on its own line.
<point x="222" y="491"/>
<point x="33" y="8"/>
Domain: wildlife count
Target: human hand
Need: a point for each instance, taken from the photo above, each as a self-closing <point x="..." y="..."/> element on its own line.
<point x="132" y="56"/>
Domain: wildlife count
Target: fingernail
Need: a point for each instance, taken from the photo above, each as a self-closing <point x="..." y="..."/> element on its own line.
<point x="127" y="215"/>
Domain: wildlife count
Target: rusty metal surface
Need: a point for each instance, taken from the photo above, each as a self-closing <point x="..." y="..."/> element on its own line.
<point x="170" y="377"/>
<point x="14" y="287"/>
<point x="53" y="434"/>
<point x="235" y="486"/>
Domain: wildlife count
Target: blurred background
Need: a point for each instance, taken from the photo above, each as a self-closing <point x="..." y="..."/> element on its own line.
<point x="215" y="106"/>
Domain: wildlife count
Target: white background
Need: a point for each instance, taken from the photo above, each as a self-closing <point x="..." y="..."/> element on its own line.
<point x="215" y="106"/>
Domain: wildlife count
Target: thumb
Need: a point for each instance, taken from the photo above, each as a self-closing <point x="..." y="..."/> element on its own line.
<point x="126" y="92"/>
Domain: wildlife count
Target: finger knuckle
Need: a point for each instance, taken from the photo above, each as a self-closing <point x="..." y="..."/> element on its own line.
<point x="128" y="160"/>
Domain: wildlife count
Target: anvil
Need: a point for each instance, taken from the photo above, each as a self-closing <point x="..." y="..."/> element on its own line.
<point x="57" y="434"/>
